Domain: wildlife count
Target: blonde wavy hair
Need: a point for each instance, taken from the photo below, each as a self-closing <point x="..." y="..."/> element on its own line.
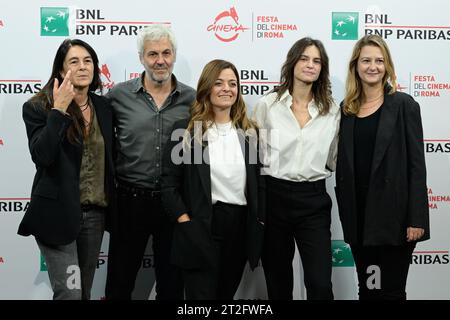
<point x="353" y="86"/>
<point x="202" y="110"/>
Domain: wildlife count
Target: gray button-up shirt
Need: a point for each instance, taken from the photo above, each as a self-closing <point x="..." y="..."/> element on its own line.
<point x="142" y="129"/>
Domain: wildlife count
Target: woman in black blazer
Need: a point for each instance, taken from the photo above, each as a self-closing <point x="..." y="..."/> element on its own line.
<point x="380" y="176"/>
<point x="211" y="185"/>
<point x="70" y="134"/>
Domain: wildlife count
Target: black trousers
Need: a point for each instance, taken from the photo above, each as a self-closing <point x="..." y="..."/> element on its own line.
<point x="141" y="215"/>
<point x="300" y="212"/>
<point x="228" y="232"/>
<point x="393" y="265"/>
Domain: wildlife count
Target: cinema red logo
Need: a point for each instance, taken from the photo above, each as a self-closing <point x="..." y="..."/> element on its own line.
<point x="1" y="24"/>
<point x="1" y="142"/>
<point x="107" y="82"/>
<point x="226" y="26"/>
<point x="2" y="260"/>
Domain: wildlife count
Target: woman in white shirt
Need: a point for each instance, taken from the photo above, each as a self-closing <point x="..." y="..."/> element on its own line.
<point x="212" y="186"/>
<point x="299" y="123"/>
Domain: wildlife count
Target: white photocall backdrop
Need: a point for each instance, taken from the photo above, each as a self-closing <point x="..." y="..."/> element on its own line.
<point x="255" y="35"/>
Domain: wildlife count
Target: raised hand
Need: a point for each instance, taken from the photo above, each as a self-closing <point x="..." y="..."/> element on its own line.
<point x="63" y="94"/>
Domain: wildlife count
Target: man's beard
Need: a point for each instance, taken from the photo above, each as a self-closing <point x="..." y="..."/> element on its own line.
<point x="159" y="80"/>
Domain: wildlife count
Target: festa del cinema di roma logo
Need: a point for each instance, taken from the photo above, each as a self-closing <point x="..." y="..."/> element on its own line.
<point x="226" y="26"/>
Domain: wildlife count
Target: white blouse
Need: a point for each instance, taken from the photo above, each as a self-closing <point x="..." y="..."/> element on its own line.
<point x="227" y="165"/>
<point x="291" y="152"/>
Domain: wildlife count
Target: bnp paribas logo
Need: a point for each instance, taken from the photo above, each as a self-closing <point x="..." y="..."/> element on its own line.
<point x="43" y="264"/>
<point x="344" y="26"/>
<point x="341" y="254"/>
<point x="54" y="21"/>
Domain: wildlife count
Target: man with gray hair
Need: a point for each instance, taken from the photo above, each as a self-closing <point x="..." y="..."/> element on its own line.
<point x="145" y="109"/>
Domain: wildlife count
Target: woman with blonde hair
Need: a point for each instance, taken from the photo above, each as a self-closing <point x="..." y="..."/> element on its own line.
<point x="380" y="175"/>
<point x="216" y="196"/>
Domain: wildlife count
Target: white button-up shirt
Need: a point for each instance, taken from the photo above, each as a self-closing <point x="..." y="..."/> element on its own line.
<point x="227" y="165"/>
<point x="293" y="153"/>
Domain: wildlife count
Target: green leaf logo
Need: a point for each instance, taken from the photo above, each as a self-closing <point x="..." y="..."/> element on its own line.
<point x="344" y="26"/>
<point x="43" y="264"/>
<point x="54" y="21"/>
<point x="341" y="254"/>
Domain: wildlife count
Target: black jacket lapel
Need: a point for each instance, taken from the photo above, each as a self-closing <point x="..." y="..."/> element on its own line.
<point x="105" y="124"/>
<point x="386" y="126"/>
<point x="348" y="124"/>
<point x="204" y="170"/>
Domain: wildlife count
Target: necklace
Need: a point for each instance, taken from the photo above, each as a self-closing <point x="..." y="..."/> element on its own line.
<point x="377" y="98"/>
<point x="370" y="107"/>
<point x="84" y="107"/>
<point x="223" y="129"/>
<point x="371" y="103"/>
<point x="87" y="123"/>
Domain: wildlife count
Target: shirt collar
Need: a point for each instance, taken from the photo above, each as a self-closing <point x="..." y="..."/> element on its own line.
<point x="313" y="110"/>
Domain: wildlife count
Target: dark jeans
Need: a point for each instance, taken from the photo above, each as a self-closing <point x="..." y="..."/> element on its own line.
<point x="393" y="263"/>
<point x="297" y="212"/>
<point x="141" y="215"/>
<point x="71" y="268"/>
<point x="228" y="233"/>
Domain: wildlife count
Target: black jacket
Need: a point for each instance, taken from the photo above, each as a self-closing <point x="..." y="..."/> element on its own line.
<point x="53" y="215"/>
<point x="186" y="188"/>
<point x="397" y="194"/>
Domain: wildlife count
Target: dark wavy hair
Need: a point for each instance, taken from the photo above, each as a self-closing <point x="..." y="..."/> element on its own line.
<point x="45" y="96"/>
<point x="321" y="88"/>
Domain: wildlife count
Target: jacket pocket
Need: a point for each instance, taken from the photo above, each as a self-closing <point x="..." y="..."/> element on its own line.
<point x="192" y="246"/>
<point x="46" y="190"/>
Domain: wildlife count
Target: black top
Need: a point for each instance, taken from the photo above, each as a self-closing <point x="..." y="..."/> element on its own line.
<point x="364" y="142"/>
<point x="53" y="215"/>
<point x="365" y="133"/>
<point x="397" y="194"/>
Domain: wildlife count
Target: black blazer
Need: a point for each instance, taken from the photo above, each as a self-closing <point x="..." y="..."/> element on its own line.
<point x="186" y="188"/>
<point x="53" y="215"/>
<point x="397" y="194"/>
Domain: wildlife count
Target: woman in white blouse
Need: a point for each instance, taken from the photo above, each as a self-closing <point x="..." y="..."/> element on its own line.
<point x="213" y="189"/>
<point x="299" y="123"/>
